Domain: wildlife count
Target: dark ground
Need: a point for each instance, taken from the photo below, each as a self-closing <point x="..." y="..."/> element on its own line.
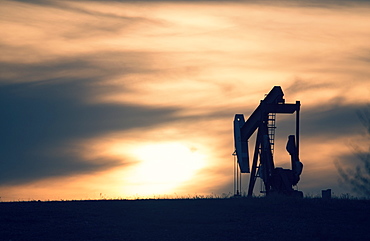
<point x="198" y="219"/>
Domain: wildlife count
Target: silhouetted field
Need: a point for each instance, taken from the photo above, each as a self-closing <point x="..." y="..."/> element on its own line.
<point x="187" y="219"/>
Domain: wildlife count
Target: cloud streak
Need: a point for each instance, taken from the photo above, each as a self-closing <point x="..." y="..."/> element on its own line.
<point x="45" y="117"/>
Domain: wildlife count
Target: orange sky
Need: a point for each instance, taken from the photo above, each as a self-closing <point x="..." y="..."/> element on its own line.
<point x="123" y="100"/>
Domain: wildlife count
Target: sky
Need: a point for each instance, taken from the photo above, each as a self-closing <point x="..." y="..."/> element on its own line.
<point x="136" y="99"/>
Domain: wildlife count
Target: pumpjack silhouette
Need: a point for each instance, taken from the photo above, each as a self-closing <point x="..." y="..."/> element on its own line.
<point x="276" y="180"/>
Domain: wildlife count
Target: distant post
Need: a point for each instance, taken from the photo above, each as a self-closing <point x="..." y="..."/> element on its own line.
<point x="326" y="194"/>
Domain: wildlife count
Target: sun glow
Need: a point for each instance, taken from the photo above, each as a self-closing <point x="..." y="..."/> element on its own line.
<point x="163" y="167"/>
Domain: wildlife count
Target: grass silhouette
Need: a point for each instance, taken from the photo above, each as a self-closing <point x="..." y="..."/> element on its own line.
<point x="187" y="219"/>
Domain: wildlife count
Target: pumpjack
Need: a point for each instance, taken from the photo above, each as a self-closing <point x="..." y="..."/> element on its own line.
<point x="276" y="180"/>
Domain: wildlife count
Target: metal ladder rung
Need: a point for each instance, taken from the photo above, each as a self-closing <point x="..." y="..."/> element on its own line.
<point x="271" y="121"/>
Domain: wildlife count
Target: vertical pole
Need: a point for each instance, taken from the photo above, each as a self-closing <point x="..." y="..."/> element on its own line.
<point x="234" y="174"/>
<point x="237" y="179"/>
<point x="240" y="183"/>
<point x="298" y="103"/>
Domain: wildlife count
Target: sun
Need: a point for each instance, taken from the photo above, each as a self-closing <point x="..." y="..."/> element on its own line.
<point x="163" y="166"/>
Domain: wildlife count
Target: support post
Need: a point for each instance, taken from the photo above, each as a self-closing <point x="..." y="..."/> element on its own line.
<point x="298" y="103"/>
<point x="252" y="179"/>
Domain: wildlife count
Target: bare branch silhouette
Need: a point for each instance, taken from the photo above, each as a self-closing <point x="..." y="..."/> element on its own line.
<point x="358" y="177"/>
